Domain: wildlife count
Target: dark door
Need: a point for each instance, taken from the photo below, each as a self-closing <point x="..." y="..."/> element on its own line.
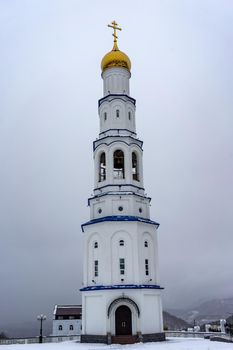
<point x="123" y="320"/>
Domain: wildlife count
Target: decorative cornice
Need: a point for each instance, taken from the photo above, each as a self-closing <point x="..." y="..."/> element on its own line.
<point x="120" y="286"/>
<point x="126" y="193"/>
<point x="135" y="141"/>
<point x="123" y="185"/>
<point x="104" y="132"/>
<point x="119" y="218"/>
<point x="116" y="96"/>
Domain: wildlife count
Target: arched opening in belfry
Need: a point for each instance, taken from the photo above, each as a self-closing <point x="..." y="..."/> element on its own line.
<point x="118" y="165"/>
<point x="123" y="320"/>
<point x="102" y="167"/>
<point x="135" y="170"/>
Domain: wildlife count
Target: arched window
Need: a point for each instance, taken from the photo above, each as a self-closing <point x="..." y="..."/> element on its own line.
<point x="105" y="115"/>
<point x="60" y="327"/>
<point x="121" y="242"/>
<point x="71" y="327"/>
<point x="129" y="115"/>
<point x="118" y="165"/>
<point x="102" y="167"/>
<point x="117" y="113"/>
<point x="146" y="244"/>
<point x="96" y="245"/>
<point x="135" y="173"/>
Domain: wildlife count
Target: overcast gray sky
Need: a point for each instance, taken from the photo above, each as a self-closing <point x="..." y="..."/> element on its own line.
<point x="182" y="78"/>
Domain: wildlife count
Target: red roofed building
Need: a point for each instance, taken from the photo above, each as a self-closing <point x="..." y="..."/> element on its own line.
<point x="67" y="320"/>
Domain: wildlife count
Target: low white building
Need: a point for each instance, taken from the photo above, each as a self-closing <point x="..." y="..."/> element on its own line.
<point x="67" y="320"/>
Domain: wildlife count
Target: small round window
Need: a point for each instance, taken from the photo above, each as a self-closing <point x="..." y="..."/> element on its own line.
<point x="120" y="208"/>
<point x="96" y="245"/>
<point x="99" y="210"/>
<point x="146" y="244"/>
<point x="140" y="210"/>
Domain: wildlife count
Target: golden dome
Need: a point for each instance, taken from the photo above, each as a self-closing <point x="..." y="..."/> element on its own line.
<point x="115" y="58"/>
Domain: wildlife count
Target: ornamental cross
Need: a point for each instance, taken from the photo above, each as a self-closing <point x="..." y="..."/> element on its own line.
<point x="115" y="27"/>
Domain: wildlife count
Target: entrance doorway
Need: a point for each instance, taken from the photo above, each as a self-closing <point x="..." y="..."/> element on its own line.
<point x="123" y="320"/>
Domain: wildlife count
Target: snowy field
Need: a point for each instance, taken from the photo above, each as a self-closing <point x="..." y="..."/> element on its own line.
<point x="170" y="344"/>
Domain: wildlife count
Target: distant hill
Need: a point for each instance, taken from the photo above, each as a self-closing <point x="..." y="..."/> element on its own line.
<point x="26" y="329"/>
<point x="173" y="323"/>
<point x="206" y="312"/>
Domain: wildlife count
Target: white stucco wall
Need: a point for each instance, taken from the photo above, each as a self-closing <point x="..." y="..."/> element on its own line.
<point x="116" y="81"/>
<point x="77" y="327"/>
<point x="109" y="119"/>
<point x="108" y="253"/>
<point x="96" y="305"/>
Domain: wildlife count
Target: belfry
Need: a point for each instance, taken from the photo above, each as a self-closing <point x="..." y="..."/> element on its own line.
<point x="121" y="296"/>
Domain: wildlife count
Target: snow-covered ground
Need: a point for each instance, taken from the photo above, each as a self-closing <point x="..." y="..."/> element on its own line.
<point x="170" y="344"/>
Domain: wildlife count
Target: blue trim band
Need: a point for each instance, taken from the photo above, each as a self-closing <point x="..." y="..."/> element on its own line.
<point x="116" y="194"/>
<point x="119" y="185"/>
<point x="121" y="286"/>
<point x="118" y="96"/>
<point x="120" y="218"/>
<point x="104" y="132"/>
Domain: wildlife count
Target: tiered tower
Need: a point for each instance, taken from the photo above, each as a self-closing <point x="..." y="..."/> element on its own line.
<point x="121" y="294"/>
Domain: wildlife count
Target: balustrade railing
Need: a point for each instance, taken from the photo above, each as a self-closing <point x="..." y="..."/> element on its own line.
<point x="33" y="340"/>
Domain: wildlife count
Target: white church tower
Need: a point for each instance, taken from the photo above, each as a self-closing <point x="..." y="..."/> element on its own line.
<point x="121" y="296"/>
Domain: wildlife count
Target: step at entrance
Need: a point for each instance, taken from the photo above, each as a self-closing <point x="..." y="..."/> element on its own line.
<point x="124" y="339"/>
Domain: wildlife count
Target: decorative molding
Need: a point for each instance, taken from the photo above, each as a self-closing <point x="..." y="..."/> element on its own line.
<point x="132" y="132"/>
<point x="117" y="194"/>
<point x="120" y="286"/>
<point x="116" y="96"/>
<point x="119" y="301"/>
<point x="135" y="142"/>
<point x="120" y="218"/>
<point x="121" y="185"/>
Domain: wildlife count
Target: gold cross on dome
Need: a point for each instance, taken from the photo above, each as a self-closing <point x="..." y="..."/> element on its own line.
<point x="115" y="27"/>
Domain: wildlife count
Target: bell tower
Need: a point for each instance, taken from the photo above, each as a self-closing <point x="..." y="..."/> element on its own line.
<point x="121" y="293"/>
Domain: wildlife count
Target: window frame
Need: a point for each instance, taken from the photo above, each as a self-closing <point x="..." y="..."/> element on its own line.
<point x="96" y="268"/>
<point x="122" y="266"/>
<point x="102" y="166"/>
<point x="135" y="166"/>
<point x="147" y="267"/>
<point x="118" y="164"/>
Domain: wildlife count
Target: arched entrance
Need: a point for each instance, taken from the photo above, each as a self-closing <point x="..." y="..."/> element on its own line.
<point x="123" y="320"/>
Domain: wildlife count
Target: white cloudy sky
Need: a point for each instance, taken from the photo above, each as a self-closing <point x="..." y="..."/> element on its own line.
<point x="182" y="78"/>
